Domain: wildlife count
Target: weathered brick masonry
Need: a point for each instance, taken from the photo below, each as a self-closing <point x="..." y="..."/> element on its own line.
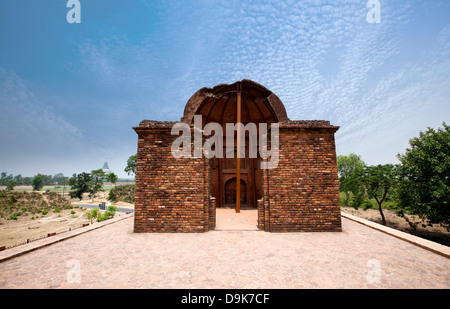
<point x="303" y="191"/>
<point x="181" y="195"/>
<point x="172" y="195"/>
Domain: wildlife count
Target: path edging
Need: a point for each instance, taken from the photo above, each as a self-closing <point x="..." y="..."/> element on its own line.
<point x="415" y="240"/>
<point x="26" y="248"/>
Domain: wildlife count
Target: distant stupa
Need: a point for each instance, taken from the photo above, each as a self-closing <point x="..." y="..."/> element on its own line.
<point x="105" y="167"/>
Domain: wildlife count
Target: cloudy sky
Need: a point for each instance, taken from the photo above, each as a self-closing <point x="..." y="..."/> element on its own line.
<point x="71" y="93"/>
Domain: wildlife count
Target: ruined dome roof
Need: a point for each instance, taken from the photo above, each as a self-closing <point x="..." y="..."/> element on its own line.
<point x="218" y="104"/>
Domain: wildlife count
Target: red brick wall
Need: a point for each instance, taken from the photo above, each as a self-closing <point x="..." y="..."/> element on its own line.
<point x="172" y="195"/>
<point x="302" y="193"/>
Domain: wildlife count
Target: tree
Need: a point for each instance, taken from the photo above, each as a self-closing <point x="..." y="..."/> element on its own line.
<point x="131" y="165"/>
<point x="27" y="181"/>
<point x="424" y="187"/>
<point x="59" y="179"/>
<point x="38" y="182"/>
<point x="80" y="184"/>
<point x="11" y="184"/>
<point x="96" y="182"/>
<point x="18" y="179"/>
<point x="378" y="180"/>
<point x="112" y="178"/>
<point x="347" y="167"/>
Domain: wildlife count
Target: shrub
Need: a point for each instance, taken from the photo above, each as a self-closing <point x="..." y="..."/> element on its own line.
<point x="110" y="212"/>
<point x="92" y="214"/>
<point x="15" y="216"/>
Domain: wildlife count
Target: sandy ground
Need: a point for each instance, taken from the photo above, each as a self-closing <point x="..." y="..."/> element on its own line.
<point x="435" y="232"/>
<point x="100" y="197"/>
<point x="15" y="232"/>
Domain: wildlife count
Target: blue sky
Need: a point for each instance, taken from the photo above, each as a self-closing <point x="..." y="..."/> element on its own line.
<point x="70" y="93"/>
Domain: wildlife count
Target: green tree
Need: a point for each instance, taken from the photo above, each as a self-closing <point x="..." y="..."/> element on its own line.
<point x="96" y="182"/>
<point x="347" y="167"/>
<point x="424" y="187"/>
<point x="10" y="185"/>
<point x="59" y="179"/>
<point x="18" y="179"/>
<point x="38" y="182"/>
<point x="80" y="184"/>
<point x="379" y="180"/>
<point x="112" y="178"/>
<point x="3" y="178"/>
<point x="131" y="165"/>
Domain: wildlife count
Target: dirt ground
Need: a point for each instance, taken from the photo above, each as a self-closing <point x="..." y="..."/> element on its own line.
<point x="16" y="232"/>
<point x="100" y="197"/>
<point x="434" y="233"/>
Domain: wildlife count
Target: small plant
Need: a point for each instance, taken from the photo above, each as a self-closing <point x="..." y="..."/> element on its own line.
<point x="110" y="212"/>
<point x="92" y="214"/>
<point x="72" y="212"/>
<point x="44" y="212"/>
<point x="14" y="216"/>
<point x="57" y="210"/>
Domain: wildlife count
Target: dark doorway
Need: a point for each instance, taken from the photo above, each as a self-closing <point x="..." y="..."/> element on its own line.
<point x="230" y="192"/>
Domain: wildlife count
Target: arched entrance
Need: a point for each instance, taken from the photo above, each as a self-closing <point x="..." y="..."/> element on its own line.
<point x="230" y="192"/>
<point x="236" y="181"/>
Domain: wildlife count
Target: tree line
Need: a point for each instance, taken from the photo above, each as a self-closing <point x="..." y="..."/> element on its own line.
<point x="85" y="182"/>
<point x="419" y="184"/>
<point x="10" y="181"/>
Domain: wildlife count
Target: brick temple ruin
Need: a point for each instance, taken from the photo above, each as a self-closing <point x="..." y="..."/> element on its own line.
<point x="181" y="194"/>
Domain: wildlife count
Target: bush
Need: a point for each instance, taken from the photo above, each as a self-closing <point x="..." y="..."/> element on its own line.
<point x="110" y="212"/>
<point x="14" y="216"/>
<point x="123" y="193"/>
<point x="92" y="214"/>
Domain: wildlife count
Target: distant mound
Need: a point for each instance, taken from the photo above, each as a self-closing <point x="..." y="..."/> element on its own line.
<point x="16" y="203"/>
<point x="123" y="193"/>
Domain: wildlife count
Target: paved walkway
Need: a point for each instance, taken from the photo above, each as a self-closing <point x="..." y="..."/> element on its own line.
<point x="227" y="219"/>
<point x="114" y="257"/>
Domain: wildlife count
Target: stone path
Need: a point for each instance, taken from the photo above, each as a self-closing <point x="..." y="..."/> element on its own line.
<point x="115" y="257"/>
<point x="227" y="219"/>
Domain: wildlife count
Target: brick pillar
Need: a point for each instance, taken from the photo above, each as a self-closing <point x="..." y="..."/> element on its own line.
<point x="266" y="200"/>
<point x="261" y="217"/>
<point x="212" y="213"/>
